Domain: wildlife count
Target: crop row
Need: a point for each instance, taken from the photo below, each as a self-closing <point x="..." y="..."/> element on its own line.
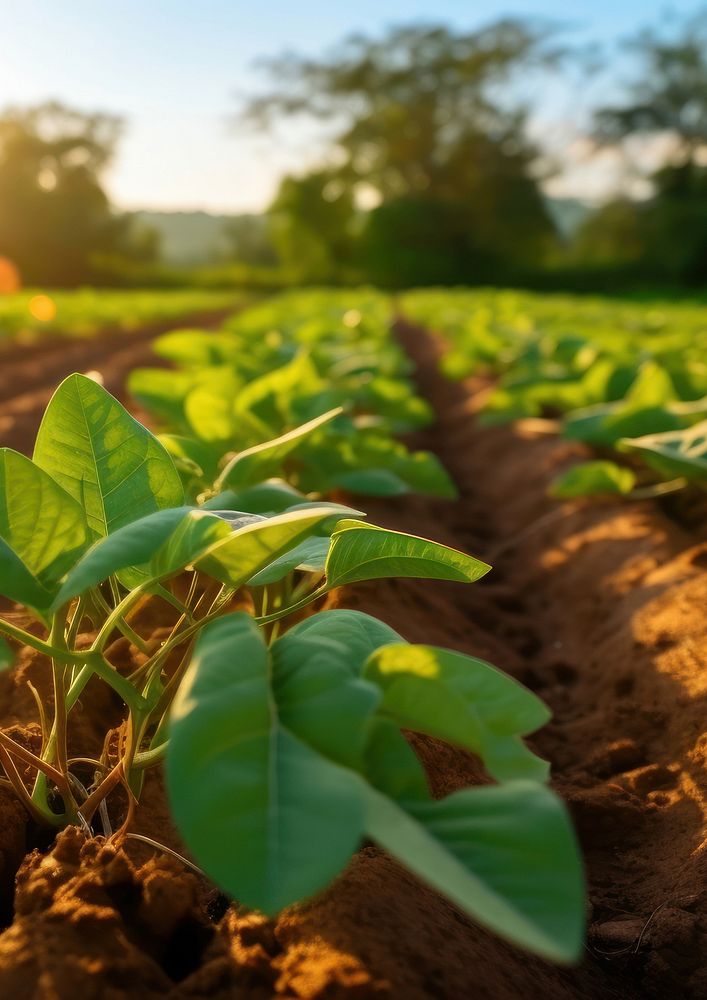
<point x="281" y="730"/>
<point x="85" y="312"/>
<point x="627" y="379"/>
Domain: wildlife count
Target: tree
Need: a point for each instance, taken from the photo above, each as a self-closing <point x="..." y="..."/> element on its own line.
<point x="669" y="95"/>
<point x="54" y="214"/>
<point x="311" y="223"/>
<point x="422" y="114"/>
<point x="666" y="234"/>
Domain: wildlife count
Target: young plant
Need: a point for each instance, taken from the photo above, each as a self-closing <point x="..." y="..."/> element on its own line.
<point x="338" y="387"/>
<point x="284" y="748"/>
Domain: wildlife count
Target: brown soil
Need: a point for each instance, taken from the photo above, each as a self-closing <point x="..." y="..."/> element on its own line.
<point x="600" y="609"/>
<point x="30" y="372"/>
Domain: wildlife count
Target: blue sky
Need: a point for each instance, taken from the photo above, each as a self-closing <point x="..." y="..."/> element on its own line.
<point x="173" y="68"/>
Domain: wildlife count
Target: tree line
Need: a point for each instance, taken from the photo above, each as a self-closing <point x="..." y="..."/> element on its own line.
<point x="428" y="174"/>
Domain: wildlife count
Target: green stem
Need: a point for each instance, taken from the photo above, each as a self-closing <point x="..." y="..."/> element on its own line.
<point x="284" y="612"/>
<point x="122" y="625"/>
<point x="148" y="758"/>
<point x="59" y="728"/>
<point x="657" y="490"/>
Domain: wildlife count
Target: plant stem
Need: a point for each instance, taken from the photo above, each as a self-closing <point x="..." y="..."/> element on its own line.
<point x="657" y="490"/>
<point x="60" y="779"/>
<point x="56" y="638"/>
<point x="39" y="812"/>
<point x="284" y="612"/>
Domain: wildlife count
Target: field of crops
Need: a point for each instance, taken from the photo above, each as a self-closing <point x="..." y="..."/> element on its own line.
<point x="29" y="314"/>
<point x="354" y="647"/>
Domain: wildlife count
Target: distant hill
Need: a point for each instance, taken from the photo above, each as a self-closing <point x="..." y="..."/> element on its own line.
<point x="188" y="238"/>
<point x="568" y="214"/>
<point x="192" y="238"/>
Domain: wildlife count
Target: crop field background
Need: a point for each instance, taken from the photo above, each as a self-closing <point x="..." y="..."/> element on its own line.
<point x="353" y="503"/>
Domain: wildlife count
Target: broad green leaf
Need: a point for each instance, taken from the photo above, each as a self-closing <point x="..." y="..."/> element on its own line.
<point x="320" y="698"/>
<point x="681" y="453"/>
<point x="209" y="411"/>
<point x="265" y="460"/>
<point x="365" y="552"/>
<point x="309" y="557"/>
<point x="266" y="401"/>
<point x="652" y="387"/>
<point x="271" y="497"/>
<point x="107" y="461"/>
<point x="461" y="700"/>
<point x="18" y="583"/>
<point x="192" y="457"/>
<point x="371" y="483"/>
<point x="645" y="408"/>
<point x="194" y="348"/>
<point x="162" y="391"/>
<point x="356" y="634"/>
<point x="505" y="854"/>
<point x="237" y="559"/>
<point x="174" y="537"/>
<point x="593" y="479"/>
<point x="391" y="765"/>
<point x="7" y="657"/>
<point x="372" y="463"/>
<point x="197" y="532"/>
<point x="267" y="817"/>
<point x="38" y="519"/>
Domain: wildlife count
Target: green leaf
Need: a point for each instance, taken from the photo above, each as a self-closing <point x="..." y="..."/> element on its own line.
<point x="175" y="537"/>
<point x="356" y="634"/>
<point x="505" y="854"/>
<point x="162" y="392"/>
<point x="18" y="583"/>
<point x="191" y="457"/>
<point x="593" y="479"/>
<point x="309" y="556"/>
<point x="266" y="816"/>
<point x="107" y="461"/>
<point x="267" y="401"/>
<point x="194" y="348"/>
<point x="646" y="407"/>
<point x="271" y="497"/>
<point x="265" y="460"/>
<point x="209" y="411"/>
<point x="676" y="454"/>
<point x="320" y="694"/>
<point x="38" y="519"/>
<point x="391" y="764"/>
<point x="7" y="657"/>
<point x="464" y="701"/>
<point x="373" y="463"/>
<point x="366" y="552"/>
<point x="237" y="559"/>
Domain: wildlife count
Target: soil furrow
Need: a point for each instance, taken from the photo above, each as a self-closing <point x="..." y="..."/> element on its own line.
<point x="29" y="374"/>
<point x="599" y="608"/>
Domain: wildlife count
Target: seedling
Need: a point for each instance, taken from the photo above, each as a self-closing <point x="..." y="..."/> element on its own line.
<point x="283" y="741"/>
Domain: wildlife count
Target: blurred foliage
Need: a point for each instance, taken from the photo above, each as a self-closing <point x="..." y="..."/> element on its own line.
<point x="312" y="226"/>
<point x="665" y="237"/>
<point x="54" y="213"/>
<point x="427" y="176"/>
<point x="421" y="127"/>
<point x="84" y="312"/>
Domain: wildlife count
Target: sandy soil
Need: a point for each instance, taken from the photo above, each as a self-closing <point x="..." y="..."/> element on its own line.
<point x="599" y="608"/>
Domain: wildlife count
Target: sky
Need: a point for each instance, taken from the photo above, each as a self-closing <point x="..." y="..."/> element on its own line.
<point x="174" y="69"/>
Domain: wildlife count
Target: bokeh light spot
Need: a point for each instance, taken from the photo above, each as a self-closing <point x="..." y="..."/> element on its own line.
<point x="42" y="308"/>
<point x="9" y="277"/>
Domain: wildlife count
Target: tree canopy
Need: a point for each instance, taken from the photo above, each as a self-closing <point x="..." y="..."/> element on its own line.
<point x="54" y="213"/>
<point x="428" y="119"/>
